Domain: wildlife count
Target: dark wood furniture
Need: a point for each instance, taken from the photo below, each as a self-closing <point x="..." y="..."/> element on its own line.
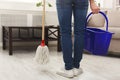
<point x="27" y="33"/>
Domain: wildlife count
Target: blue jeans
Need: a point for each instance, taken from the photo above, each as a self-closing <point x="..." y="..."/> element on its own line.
<point x="65" y="8"/>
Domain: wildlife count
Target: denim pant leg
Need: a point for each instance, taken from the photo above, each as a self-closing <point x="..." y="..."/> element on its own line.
<point x="80" y="12"/>
<point x="64" y="9"/>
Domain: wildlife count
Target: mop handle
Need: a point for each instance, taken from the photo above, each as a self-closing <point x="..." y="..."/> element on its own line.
<point x="43" y="20"/>
<point x="104" y="15"/>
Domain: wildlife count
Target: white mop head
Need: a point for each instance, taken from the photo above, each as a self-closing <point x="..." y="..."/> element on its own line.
<point x="42" y="55"/>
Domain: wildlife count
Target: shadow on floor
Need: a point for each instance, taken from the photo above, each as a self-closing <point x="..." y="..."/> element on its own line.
<point x="110" y="54"/>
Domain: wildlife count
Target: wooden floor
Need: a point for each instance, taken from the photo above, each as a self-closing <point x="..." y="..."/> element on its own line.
<point x="21" y="66"/>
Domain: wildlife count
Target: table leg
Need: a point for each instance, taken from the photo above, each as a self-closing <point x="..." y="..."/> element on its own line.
<point x="59" y="42"/>
<point x="3" y="37"/>
<point x="46" y="36"/>
<point x="10" y="41"/>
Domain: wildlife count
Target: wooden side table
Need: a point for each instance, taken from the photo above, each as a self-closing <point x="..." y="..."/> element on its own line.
<point x="8" y="35"/>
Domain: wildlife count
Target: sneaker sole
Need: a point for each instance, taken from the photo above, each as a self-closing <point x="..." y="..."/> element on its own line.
<point x="61" y="74"/>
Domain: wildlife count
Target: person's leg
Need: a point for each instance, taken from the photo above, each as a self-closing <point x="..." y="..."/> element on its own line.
<point x="64" y="9"/>
<point x="80" y="12"/>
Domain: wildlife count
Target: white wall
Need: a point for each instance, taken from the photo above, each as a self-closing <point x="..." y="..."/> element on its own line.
<point x="22" y="5"/>
<point x="30" y="4"/>
<point x="109" y="4"/>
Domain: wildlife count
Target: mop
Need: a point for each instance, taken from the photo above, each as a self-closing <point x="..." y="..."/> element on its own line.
<point x="42" y="52"/>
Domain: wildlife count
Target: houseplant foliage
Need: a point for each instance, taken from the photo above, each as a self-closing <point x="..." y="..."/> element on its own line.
<point x="41" y="4"/>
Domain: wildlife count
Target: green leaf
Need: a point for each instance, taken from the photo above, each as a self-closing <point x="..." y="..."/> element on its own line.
<point x="39" y="4"/>
<point x="49" y="5"/>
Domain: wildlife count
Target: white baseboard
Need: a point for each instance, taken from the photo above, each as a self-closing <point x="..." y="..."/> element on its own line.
<point x="51" y="43"/>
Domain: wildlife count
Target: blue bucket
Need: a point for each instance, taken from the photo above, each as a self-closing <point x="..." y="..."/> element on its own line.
<point x="97" y="41"/>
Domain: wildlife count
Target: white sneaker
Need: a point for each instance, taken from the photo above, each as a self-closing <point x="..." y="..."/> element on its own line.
<point x="66" y="73"/>
<point x="77" y="71"/>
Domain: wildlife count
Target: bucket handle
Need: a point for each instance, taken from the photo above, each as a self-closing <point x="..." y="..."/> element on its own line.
<point x="104" y="15"/>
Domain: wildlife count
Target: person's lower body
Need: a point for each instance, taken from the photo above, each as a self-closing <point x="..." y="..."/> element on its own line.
<point x="65" y="8"/>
